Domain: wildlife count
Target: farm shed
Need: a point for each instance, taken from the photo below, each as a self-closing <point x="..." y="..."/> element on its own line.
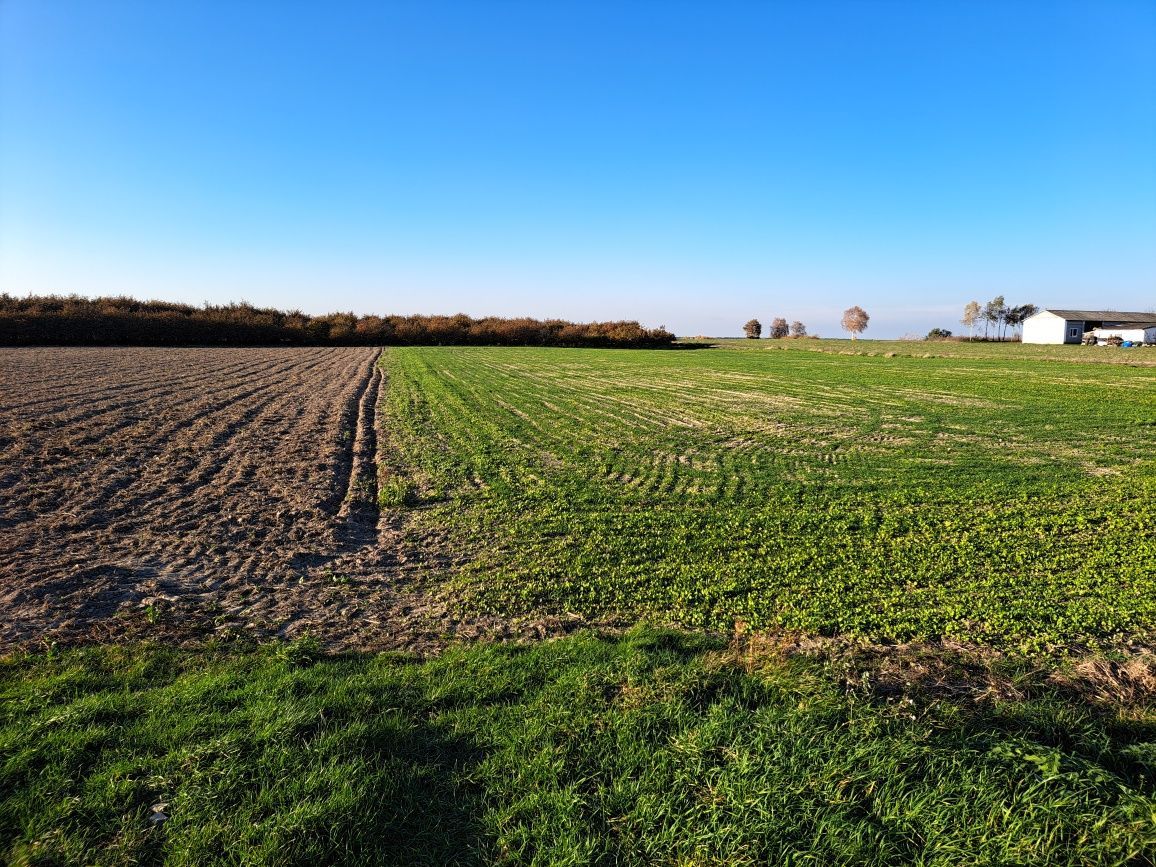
<point x="1069" y="326"/>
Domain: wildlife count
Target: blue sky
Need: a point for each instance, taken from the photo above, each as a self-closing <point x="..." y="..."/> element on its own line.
<point x="686" y="164"/>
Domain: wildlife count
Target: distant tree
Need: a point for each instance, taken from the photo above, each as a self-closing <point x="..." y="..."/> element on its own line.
<point x="855" y="320"/>
<point x="779" y="328"/>
<point x="798" y="329"/>
<point x="1011" y="317"/>
<point x="971" y="314"/>
<point x="993" y="314"/>
<point x="753" y="329"/>
<point x="1015" y="316"/>
<point x="938" y="334"/>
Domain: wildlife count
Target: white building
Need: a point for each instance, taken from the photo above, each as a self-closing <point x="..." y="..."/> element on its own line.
<point x="1069" y="326"/>
<point x="1133" y="331"/>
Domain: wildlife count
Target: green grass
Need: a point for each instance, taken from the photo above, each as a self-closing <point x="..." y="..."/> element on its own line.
<point x="652" y="748"/>
<point x="997" y="498"/>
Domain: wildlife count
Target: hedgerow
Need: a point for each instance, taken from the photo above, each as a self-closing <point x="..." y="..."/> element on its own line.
<point x="75" y="321"/>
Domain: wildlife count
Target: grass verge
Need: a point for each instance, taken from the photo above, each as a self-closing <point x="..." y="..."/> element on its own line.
<point x="656" y="747"/>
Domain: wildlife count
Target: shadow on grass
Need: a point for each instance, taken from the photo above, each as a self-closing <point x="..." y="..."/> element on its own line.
<point x="1058" y="731"/>
<point x="386" y="776"/>
<point x="685" y="646"/>
<point x="272" y="760"/>
<point x="417" y="810"/>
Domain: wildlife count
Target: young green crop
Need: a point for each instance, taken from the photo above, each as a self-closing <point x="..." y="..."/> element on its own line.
<point x="999" y="500"/>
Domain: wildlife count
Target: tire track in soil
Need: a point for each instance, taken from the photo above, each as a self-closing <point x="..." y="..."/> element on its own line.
<point x="359" y="508"/>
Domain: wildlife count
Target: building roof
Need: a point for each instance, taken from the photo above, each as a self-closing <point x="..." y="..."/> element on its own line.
<point x="1135" y="320"/>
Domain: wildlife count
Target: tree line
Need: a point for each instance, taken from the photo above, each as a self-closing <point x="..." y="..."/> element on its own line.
<point x="854" y="322"/>
<point x="76" y="321"/>
<point x="779" y="329"/>
<point x="995" y="313"/>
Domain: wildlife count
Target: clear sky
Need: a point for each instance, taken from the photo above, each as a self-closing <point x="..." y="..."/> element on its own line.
<point x="686" y="164"/>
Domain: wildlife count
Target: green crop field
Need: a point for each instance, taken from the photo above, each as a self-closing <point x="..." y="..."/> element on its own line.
<point x="1007" y="498"/>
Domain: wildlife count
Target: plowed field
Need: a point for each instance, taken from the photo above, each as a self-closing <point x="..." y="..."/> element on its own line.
<point x="191" y="491"/>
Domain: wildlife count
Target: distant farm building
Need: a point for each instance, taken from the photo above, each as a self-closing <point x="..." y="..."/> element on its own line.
<point x="1070" y="326"/>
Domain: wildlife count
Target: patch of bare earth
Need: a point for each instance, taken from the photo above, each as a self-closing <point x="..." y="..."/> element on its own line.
<point x="187" y="493"/>
<point x="1123" y="678"/>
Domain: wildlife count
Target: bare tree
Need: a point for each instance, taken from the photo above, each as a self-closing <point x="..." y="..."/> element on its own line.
<point x="855" y="320"/>
<point x="798" y="329"/>
<point x="971" y="315"/>
<point x="779" y="328"/>
<point x="753" y="329"/>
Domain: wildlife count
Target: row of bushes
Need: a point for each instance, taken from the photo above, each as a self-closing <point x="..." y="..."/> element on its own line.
<point x="75" y="321"/>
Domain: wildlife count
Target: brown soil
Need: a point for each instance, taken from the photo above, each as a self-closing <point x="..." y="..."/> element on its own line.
<point x="186" y="493"/>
